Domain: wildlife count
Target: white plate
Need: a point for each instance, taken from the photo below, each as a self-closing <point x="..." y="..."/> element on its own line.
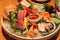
<point x="25" y="38"/>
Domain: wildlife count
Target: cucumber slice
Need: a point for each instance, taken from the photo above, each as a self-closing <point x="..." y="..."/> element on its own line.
<point x="55" y="20"/>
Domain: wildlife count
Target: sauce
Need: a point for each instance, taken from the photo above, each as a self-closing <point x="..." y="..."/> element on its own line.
<point x="34" y="17"/>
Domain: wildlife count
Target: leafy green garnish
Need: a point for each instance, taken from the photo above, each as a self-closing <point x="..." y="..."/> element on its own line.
<point x="56" y="1"/>
<point x="38" y="22"/>
<point x="43" y="9"/>
<point x="46" y="6"/>
<point x="17" y="30"/>
<point x="42" y="20"/>
<point x="49" y="8"/>
<point x="28" y="27"/>
<point x="13" y="16"/>
<point x="19" y="7"/>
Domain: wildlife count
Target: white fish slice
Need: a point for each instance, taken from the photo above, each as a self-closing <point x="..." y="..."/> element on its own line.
<point x="41" y="27"/>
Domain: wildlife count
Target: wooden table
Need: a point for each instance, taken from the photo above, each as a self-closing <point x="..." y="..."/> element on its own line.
<point x="4" y="3"/>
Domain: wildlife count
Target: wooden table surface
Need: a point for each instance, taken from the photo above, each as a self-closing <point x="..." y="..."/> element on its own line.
<point x="4" y="3"/>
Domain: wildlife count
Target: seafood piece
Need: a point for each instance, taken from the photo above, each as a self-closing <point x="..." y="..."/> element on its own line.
<point x="19" y="23"/>
<point x="45" y="27"/>
<point x="41" y="27"/>
<point x="21" y="14"/>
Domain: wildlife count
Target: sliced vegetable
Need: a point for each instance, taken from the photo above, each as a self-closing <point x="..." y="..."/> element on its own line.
<point x="54" y="16"/>
<point x="25" y="21"/>
<point x="55" y="20"/>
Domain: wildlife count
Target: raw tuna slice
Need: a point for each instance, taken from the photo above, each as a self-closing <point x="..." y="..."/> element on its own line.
<point x="21" y="14"/>
<point x="19" y="23"/>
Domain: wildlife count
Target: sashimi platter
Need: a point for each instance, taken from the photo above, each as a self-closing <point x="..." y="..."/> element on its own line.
<point x="30" y="20"/>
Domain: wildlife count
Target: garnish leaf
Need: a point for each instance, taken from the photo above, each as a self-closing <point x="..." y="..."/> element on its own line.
<point x="19" y="7"/>
<point x="56" y="1"/>
<point x="29" y="27"/>
<point x="13" y="16"/>
<point x="42" y="20"/>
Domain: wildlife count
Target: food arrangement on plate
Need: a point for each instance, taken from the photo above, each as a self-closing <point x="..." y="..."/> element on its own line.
<point x="31" y="20"/>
